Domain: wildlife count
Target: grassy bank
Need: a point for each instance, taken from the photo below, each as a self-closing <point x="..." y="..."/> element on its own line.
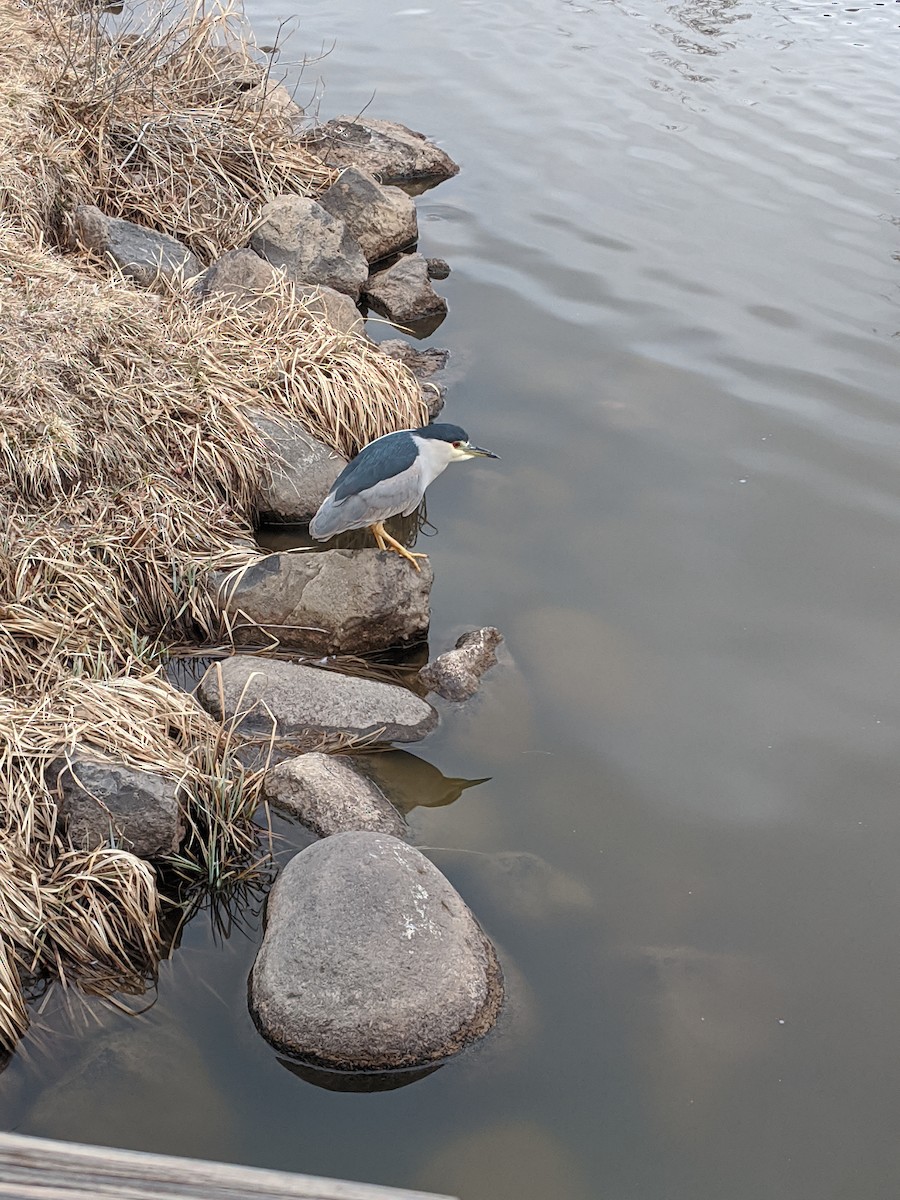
<point x="129" y="464"/>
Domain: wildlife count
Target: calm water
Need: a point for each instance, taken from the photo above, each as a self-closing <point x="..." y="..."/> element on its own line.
<point x="674" y="313"/>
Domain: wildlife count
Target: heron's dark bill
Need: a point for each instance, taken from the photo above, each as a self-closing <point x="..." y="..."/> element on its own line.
<point x="480" y="450"/>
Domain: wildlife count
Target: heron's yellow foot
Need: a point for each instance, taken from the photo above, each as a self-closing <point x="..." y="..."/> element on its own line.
<point x="384" y="541"/>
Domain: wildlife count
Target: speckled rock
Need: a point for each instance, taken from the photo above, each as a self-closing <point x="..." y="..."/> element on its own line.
<point x="240" y="274"/>
<point x="403" y="292"/>
<point x="140" y="254"/>
<point x="298" y="484"/>
<point x="112" y="804"/>
<point x="334" y="307"/>
<point x="328" y="796"/>
<point x="371" y="960"/>
<point x="305" y="704"/>
<point x="455" y="675"/>
<point x="331" y="602"/>
<point x="388" y="150"/>
<point x="382" y="219"/>
<point x="310" y="244"/>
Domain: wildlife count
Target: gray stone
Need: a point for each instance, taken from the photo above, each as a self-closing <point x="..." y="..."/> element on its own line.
<point x="422" y="363"/>
<point x="140" y="254"/>
<point x="371" y="960"/>
<point x="334" y="307"/>
<point x="389" y="151"/>
<point x="328" y="796"/>
<point x="438" y="268"/>
<point x="299" y="483"/>
<point x="455" y="675"/>
<point x="240" y="274"/>
<point x="331" y="602"/>
<point x="307" y="705"/>
<point x="111" y="804"/>
<point x="310" y="244"/>
<point x="403" y="292"/>
<point x="382" y="219"/>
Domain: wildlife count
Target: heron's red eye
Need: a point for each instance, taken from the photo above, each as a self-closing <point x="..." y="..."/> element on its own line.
<point x="456" y="445"/>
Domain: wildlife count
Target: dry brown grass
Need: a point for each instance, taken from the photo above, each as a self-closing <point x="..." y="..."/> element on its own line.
<point x="129" y="461"/>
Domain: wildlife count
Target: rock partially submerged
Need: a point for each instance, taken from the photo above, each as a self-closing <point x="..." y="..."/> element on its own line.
<point x="371" y="960"/>
<point x="382" y="219"/>
<point x="305" y="705"/>
<point x="456" y="674"/>
<point x="140" y="254"/>
<point x="403" y="293"/>
<point x="302" y="479"/>
<point x="388" y="150"/>
<point x="311" y="245"/>
<point x="327" y="796"/>
<point x="335" y="602"/>
<point x="112" y="804"/>
<point x="423" y="364"/>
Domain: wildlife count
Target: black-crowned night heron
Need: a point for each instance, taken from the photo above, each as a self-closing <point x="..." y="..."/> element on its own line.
<point x="389" y="477"/>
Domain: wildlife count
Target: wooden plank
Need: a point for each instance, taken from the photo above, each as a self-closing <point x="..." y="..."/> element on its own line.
<point x="40" y="1169"/>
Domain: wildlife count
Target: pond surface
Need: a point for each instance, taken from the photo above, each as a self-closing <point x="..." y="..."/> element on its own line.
<point x="674" y="313"/>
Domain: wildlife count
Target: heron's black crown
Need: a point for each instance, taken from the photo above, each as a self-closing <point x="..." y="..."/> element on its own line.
<point x="442" y="432"/>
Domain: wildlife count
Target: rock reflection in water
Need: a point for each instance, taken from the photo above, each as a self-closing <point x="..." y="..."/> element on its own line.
<point x="357" y="1081"/>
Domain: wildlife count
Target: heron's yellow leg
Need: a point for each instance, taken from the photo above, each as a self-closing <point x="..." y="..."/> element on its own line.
<point x="378" y="534"/>
<point x="384" y="541"/>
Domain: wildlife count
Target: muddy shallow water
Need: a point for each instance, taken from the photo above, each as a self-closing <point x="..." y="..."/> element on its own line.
<point x="674" y="309"/>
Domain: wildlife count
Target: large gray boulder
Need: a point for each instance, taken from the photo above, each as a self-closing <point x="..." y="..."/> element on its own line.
<point x="333" y="602"/>
<point x="382" y="219"/>
<point x="305" y="705"/>
<point x="140" y="254"/>
<point x="455" y="675"/>
<point x="328" y="796"/>
<point x="371" y="961"/>
<point x="112" y="804"/>
<point x="386" y="149"/>
<point x="302" y="478"/>
<point x="403" y="292"/>
<point x="310" y="244"/>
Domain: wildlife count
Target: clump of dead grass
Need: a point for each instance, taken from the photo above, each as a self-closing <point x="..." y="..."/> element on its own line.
<point x="129" y="458"/>
<point x="145" y="123"/>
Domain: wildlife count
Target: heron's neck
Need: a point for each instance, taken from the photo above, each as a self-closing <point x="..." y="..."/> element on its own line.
<point x="435" y="456"/>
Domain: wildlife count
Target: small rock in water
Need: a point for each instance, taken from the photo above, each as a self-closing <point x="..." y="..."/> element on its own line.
<point x="333" y="602"/>
<point x="301" y="481"/>
<point x="328" y="796"/>
<point x="305" y="705"/>
<point x="371" y="961"/>
<point x="140" y="254"/>
<point x="310" y="244"/>
<point x="403" y="292"/>
<point x="455" y="675"/>
<point x="388" y="150"/>
<point x="112" y="804"/>
<point x="382" y="219"/>
<point x="422" y="363"/>
<point x="438" y="268"/>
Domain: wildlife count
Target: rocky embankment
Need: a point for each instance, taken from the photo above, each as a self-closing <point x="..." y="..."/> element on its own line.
<point x="371" y="961"/>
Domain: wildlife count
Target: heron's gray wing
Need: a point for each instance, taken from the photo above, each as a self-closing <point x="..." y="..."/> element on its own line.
<point x="376" y="463"/>
<point x="401" y="493"/>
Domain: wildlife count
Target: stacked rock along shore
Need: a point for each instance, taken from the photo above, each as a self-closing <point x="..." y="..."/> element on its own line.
<point x="185" y="265"/>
